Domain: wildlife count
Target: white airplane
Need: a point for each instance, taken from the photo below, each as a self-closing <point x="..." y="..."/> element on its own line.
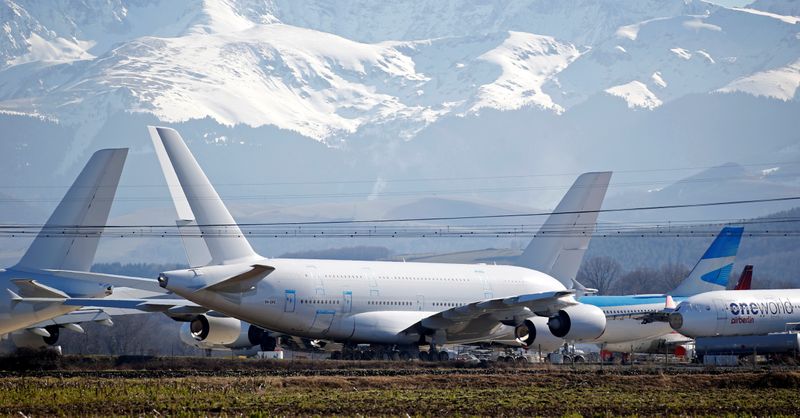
<point x="394" y="306"/>
<point x="625" y="325"/>
<point x="31" y="308"/>
<point x="737" y="312"/>
<point x="672" y="341"/>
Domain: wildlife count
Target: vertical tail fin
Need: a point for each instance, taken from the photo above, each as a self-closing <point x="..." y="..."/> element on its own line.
<point x="223" y="238"/>
<point x="69" y="239"/>
<point x="559" y="245"/>
<point x="713" y="269"/>
<point x="746" y="279"/>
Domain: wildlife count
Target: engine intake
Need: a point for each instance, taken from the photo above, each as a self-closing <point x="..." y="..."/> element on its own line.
<point x="533" y="333"/>
<point x="580" y="322"/>
<point x="215" y="330"/>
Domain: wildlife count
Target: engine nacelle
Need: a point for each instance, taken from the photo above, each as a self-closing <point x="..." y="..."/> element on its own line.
<point x="216" y="333"/>
<point x="580" y="322"/>
<point x="216" y="330"/>
<point x="533" y="333"/>
<point x="27" y="339"/>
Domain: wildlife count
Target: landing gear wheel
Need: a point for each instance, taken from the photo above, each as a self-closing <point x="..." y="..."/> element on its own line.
<point x="336" y="355"/>
<point x="444" y="356"/>
<point x="521" y="360"/>
<point x="386" y="356"/>
<point x="395" y="356"/>
<point x="423" y="356"/>
<point x="405" y="355"/>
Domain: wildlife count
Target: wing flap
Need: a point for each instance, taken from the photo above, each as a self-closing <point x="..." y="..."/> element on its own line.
<point x="529" y="304"/>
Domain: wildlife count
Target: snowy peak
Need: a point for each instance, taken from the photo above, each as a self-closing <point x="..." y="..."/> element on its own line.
<point x="726" y="50"/>
<point x="67" y="30"/>
<point x="527" y="61"/>
<point x="330" y="70"/>
<point x="777" y="7"/>
<point x="581" y="22"/>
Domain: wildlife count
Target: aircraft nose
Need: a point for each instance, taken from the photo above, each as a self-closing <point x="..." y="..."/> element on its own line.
<point x="676" y="320"/>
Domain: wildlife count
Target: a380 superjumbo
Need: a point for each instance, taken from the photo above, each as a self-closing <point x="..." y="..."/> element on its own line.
<point x="395" y="306"/>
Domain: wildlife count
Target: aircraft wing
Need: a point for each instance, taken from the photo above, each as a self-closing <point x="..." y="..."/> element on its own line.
<point x="478" y="319"/>
<point x="76" y="317"/>
<point x="166" y="306"/>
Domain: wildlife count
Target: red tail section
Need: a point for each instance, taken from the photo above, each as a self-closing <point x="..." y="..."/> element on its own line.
<point x="745" y="279"/>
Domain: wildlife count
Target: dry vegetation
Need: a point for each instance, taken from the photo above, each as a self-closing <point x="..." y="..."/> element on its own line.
<point x="234" y="387"/>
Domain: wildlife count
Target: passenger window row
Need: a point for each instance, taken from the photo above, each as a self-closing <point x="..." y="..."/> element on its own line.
<point x="389" y="303"/>
<point x="426" y="279"/>
<point x="448" y="304"/>
<point x="319" y="302"/>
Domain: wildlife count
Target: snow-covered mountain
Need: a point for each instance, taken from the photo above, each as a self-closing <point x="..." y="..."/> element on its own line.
<point x="329" y="69"/>
<point x="344" y="89"/>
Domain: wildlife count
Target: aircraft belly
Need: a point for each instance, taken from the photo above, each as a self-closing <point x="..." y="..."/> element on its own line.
<point x="624" y="330"/>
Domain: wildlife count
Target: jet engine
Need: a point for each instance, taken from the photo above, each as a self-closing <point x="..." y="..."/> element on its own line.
<point x="580" y="322"/>
<point x="28" y="339"/>
<point x="533" y="333"/>
<point x="215" y="329"/>
<point x="218" y="333"/>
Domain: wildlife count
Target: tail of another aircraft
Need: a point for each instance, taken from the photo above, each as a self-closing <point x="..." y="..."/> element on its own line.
<point x="198" y="204"/>
<point x="713" y="269"/>
<point x="69" y="239"/>
<point x="558" y="247"/>
<point x="746" y="279"/>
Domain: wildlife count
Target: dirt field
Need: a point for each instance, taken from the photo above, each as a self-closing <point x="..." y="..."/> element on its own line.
<point x="130" y="386"/>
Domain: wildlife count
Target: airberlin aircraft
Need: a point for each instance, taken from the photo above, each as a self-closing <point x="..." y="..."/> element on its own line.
<point x="737" y="312"/>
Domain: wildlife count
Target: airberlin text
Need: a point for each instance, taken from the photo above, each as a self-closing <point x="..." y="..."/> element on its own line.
<point x="773" y="307"/>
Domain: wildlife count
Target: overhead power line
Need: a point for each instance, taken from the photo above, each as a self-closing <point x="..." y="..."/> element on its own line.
<point x="400" y="226"/>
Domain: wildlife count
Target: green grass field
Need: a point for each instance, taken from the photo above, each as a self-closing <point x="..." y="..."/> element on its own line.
<point x="268" y="388"/>
<point x="446" y="392"/>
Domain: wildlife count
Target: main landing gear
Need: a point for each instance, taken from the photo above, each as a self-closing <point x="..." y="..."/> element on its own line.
<point x="383" y="353"/>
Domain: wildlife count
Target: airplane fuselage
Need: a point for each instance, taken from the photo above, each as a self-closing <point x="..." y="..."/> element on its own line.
<point x="621" y="328"/>
<point x="737" y="312"/>
<point x="368" y="302"/>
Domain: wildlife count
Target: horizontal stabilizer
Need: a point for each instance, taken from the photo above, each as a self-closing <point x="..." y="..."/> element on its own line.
<point x="241" y="282"/>
<point x="29" y="288"/>
<point x="115" y="280"/>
